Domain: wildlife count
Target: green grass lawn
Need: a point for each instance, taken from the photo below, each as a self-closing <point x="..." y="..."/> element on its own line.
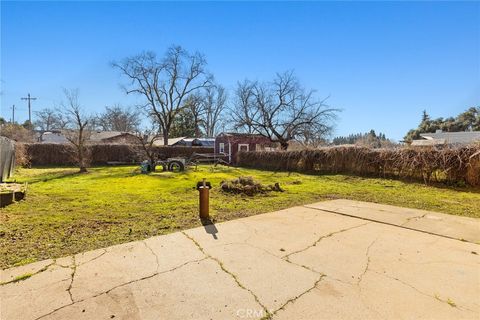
<point x="67" y="213"/>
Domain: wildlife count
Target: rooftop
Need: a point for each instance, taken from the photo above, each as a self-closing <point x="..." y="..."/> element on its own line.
<point x="464" y="137"/>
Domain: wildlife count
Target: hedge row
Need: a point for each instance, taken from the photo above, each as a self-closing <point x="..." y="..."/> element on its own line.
<point x="61" y="154"/>
<point x="450" y="165"/>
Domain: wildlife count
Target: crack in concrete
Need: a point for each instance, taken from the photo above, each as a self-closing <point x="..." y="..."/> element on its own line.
<point x="411" y="218"/>
<point x="121" y="285"/>
<point x="28" y="275"/>
<point x="322" y="275"/>
<point x="148" y="277"/>
<point x="62" y="265"/>
<point x="273" y="255"/>
<point x="287" y="257"/>
<point x="367" y="265"/>
<point x="392" y="224"/>
<point x="43" y="269"/>
<point x="154" y="254"/>
<point x="355" y="287"/>
<point x="235" y="278"/>
<point x="292" y="300"/>
<point x="436" y="297"/>
<point x="94" y="258"/>
<point x="74" y="270"/>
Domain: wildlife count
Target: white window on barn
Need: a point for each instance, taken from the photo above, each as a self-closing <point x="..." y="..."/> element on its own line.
<point x="221" y="148"/>
<point x="243" y="147"/>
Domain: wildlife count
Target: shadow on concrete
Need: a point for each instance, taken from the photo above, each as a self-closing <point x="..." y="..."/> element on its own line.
<point x="210" y="227"/>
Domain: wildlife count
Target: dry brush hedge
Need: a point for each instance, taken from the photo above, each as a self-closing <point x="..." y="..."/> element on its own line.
<point x="62" y="154"/>
<point x="455" y="165"/>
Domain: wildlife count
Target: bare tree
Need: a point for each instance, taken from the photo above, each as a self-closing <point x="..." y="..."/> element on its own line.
<point x="117" y="118"/>
<point x="194" y="105"/>
<point x="314" y="136"/>
<point x="214" y="104"/>
<point x="165" y="83"/>
<point x="48" y="119"/>
<point x="282" y="110"/>
<point x="146" y="140"/>
<point x="243" y="110"/>
<point x="77" y="132"/>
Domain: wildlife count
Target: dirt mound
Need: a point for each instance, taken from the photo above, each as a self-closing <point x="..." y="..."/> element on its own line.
<point x="248" y="186"/>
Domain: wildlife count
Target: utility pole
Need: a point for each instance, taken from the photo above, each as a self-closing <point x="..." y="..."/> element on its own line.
<point x="13" y="114"/>
<point x="28" y="98"/>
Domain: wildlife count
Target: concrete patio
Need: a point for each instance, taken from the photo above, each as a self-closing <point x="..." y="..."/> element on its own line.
<point x="330" y="260"/>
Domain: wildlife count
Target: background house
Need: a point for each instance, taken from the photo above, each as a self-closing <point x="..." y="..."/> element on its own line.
<point x="231" y="143"/>
<point x="57" y="136"/>
<point x="99" y="137"/>
<point x="440" y="138"/>
<point x="195" y="142"/>
<point x="113" y="137"/>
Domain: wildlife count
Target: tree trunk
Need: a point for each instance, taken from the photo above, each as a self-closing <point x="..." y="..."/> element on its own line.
<point x="197" y="131"/>
<point x="153" y="165"/>
<point x="81" y="155"/>
<point x="165" y="138"/>
<point x="81" y="162"/>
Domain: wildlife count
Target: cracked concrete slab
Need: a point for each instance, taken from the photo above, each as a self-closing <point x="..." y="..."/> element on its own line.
<point x="379" y="298"/>
<point x="328" y="300"/>
<point x="428" y="265"/>
<point x="37" y="295"/>
<point x="197" y="290"/>
<point x="120" y="264"/>
<point x="10" y="274"/>
<point x="300" y="263"/>
<point x="263" y="273"/>
<point x="461" y="228"/>
<point x="391" y="299"/>
<point x="342" y="256"/>
<point x="280" y="233"/>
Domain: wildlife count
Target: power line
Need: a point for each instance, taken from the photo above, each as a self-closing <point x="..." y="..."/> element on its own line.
<point x="29" y="98"/>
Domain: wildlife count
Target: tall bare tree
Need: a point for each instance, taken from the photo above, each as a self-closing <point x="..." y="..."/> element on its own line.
<point x="118" y="118"/>
<point x="77" y="132"/>
<point x="165" y="83"/>
<point x="48" y="119"/>
<point x="194" y="105"/>
<point x="214" y="104"/>
<point x="282" y="110"/>
<point x="243" y="111"/>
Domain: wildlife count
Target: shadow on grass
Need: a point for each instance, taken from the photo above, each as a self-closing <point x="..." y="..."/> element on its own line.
<point x="115" y="175"/>
<point x="52" y="176"/>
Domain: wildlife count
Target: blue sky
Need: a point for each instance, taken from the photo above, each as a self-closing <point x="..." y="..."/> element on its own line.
<point x="381" y="62"/>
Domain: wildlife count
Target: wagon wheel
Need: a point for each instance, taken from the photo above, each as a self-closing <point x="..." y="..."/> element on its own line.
<point x="176" y="166"/>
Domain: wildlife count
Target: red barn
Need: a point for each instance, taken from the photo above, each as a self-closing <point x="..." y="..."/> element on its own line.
<point x="231" y="143"/>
